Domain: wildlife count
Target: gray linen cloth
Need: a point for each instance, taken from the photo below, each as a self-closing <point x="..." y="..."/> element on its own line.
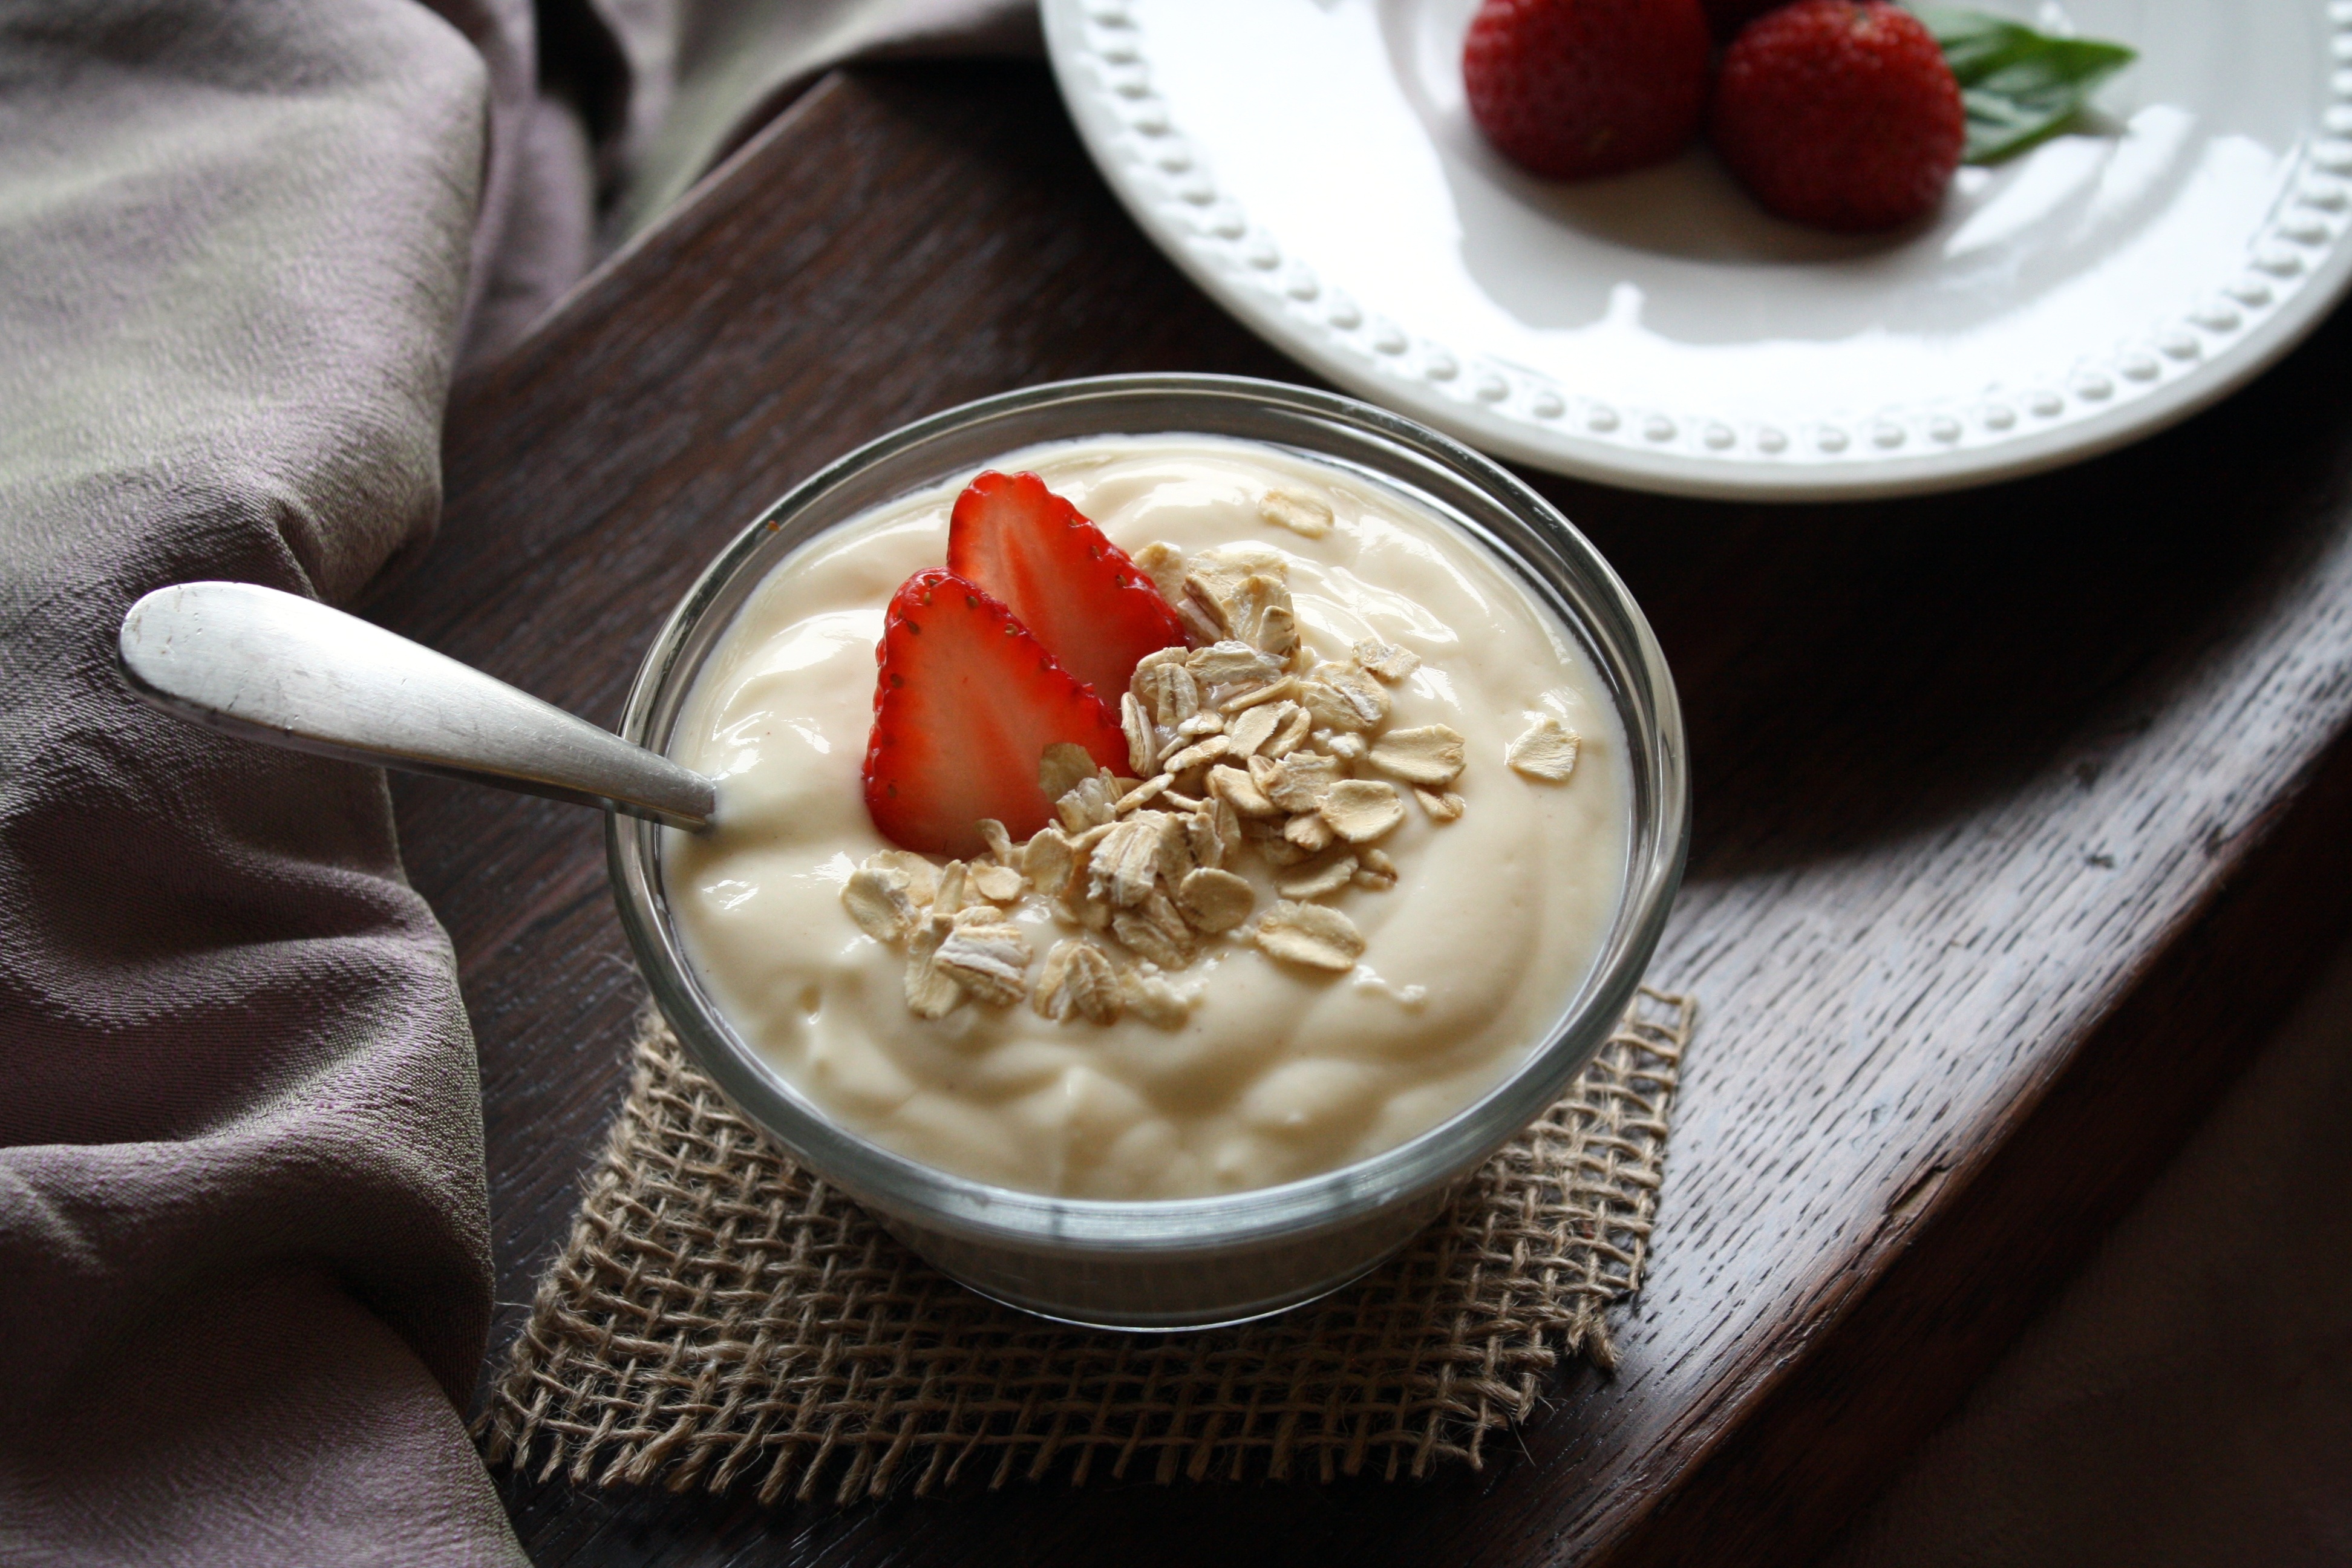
<point x="244" y="1273"/>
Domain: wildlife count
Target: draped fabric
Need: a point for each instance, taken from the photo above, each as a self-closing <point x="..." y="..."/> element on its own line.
<point x="244" y="244"/>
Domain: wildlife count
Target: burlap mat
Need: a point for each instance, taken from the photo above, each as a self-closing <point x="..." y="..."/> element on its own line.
<point x="719" y="1316"/>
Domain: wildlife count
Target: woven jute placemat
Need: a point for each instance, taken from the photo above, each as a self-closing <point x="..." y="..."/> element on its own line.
<point x="720" y="1317"/>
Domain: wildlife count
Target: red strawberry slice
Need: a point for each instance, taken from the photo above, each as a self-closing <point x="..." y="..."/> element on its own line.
<point x="1069" y="584"/>
<point x="966" y="703"/>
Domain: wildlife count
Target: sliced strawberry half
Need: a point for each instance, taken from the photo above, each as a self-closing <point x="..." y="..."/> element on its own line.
<point x="965" y="704"/>
<point x="1069" y="583"/>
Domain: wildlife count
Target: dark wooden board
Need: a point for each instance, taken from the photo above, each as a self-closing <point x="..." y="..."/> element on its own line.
<point x="1989" y="883"/>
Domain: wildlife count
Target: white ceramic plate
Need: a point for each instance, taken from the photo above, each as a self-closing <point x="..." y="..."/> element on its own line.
<point x="1311" y="164"/>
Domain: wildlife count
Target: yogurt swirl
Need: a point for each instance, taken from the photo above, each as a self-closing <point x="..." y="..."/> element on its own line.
<point x="1279" y="1072"/>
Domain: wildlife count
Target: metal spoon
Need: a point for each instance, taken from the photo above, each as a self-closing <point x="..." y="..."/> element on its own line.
<point x="291" y="671"/>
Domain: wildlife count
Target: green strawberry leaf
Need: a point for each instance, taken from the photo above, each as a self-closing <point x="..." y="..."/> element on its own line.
<point x="2020" y="86"/>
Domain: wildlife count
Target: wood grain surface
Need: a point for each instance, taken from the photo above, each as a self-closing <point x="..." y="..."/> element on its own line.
<point x="2020" y="813"/>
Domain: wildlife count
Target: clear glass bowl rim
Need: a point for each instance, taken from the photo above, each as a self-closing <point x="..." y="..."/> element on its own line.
<point x="1628" y="653"/>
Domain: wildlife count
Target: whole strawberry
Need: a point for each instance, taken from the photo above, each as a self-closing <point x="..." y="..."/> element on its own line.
<point x="1839" y="113"/>
<point x="1573" y="88"/>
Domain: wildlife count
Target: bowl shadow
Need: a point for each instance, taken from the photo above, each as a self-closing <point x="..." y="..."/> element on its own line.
<point x="1856" y="673"/>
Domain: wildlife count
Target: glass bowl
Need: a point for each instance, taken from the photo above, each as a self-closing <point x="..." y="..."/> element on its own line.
<point x="1191" y="1262"/>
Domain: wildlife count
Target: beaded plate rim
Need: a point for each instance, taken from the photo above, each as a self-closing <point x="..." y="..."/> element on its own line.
<point x="2292" y="270"/>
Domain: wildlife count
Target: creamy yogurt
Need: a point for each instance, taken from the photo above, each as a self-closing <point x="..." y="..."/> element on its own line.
<point x="1279" y="1072"/>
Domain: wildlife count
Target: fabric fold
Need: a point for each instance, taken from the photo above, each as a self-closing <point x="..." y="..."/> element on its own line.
<point x="242" y="1213"/>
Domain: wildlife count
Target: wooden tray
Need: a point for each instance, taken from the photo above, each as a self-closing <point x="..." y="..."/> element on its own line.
<point x="2019" y="816"/>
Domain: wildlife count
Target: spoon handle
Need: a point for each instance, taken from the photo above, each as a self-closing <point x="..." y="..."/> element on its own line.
<point x="295" y="673"/>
